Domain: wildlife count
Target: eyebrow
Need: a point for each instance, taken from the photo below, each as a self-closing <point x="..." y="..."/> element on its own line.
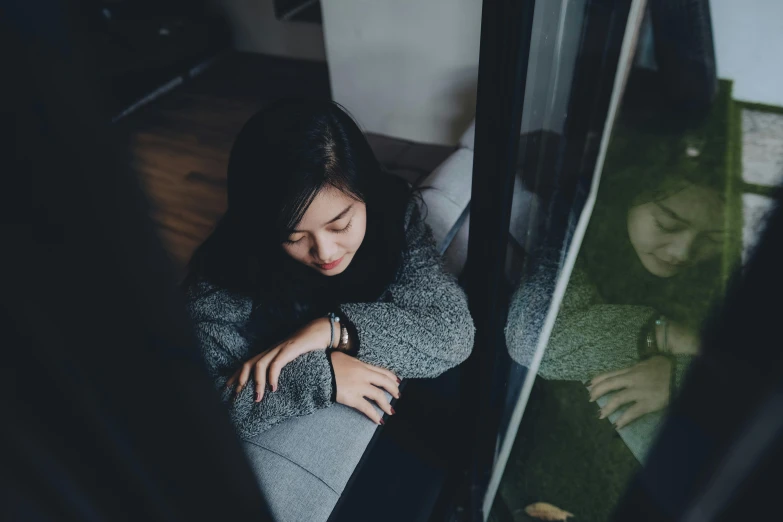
<point x="681" y="219"/>
<point x="338" y="217"/>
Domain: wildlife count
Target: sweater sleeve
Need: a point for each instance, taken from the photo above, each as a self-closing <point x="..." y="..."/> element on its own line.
<point x="589" y="337"/>
<point x="421" y="327"/>
<point x="305" y="383"/>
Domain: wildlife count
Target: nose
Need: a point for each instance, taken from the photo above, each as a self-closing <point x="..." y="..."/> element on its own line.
<point x="323" y="250"/>
<point x="678" y="251"/>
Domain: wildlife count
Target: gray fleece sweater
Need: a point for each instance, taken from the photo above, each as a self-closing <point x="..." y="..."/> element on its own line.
<point x="420" y="327"/>
<point x="589" y="337"/>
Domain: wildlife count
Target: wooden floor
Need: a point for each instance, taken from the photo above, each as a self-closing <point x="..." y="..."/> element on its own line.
<point x="180" y="143"/>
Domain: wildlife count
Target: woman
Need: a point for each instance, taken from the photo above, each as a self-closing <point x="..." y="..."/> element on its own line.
<point x="321" y="283"/>
<point x="650" y="265"/>
<point x="649" y="268"/>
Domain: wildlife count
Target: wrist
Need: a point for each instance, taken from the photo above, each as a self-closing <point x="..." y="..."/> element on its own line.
<point x="661" y="332"/>
<point x="325" y="335"/>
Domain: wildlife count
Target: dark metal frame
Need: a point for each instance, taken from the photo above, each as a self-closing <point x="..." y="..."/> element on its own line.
<point x="506" y="32"/>
<point x="505" y="47"/>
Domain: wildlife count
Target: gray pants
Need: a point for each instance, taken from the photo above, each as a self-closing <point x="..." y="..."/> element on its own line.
<point x="303" y="464"/>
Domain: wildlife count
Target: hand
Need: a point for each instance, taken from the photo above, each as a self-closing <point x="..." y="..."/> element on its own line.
<point x="646" y="385"/>
<point x="314" y="336"/>
<point x="357" y="381"/>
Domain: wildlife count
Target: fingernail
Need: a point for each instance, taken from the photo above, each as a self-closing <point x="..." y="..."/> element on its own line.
<point x="274" y="388"/>
<point x="398" y="380"/>
<point x="258" y="396"/>
<point x="381" y="422"/>
<point x="392" y="410"/>
<point x="600" y="415"/>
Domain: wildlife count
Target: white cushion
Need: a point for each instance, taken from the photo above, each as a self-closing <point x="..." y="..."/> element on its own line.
<point x="468" y="139"/>
<point x="446" y="193"/>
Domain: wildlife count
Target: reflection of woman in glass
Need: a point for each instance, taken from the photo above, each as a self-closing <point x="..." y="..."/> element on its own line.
<point x="649" y="267"/>
<point x="321" y="283"/>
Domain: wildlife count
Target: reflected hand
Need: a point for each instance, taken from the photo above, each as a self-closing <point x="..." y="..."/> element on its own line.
<point x="645" y="385"/>
<point x="314" y="336"/>
<point x="358" y="381"/>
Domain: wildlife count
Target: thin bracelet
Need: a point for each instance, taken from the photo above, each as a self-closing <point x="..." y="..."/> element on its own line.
<point x="332" y="319"/>
<point x="661" y="321"/>
<point x="331" y="333"/>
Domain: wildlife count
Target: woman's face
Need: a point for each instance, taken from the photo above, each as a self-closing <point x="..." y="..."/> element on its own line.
<point x="677" y="232"/>
<point x="330" y="232"/>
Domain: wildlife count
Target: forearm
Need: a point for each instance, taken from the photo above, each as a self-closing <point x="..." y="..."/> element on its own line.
<point x="423" y="342"/>
<point x="598" y="339"/>
<point x="305" y="385"/>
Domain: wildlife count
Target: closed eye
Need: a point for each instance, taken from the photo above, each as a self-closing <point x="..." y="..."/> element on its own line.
<point x="667" y="228"/>
<point x="344" y="229"/>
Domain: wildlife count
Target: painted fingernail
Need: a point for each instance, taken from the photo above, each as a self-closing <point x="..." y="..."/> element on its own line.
<point x="381" y="422"/>
<point x="392" y="410"/>
<point x="258" y="396"/>
<point x="399" y="380"/>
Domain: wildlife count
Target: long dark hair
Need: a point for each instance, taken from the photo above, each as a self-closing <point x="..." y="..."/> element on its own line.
<point x="284" y="155"/>
<point x="653" y="154"/>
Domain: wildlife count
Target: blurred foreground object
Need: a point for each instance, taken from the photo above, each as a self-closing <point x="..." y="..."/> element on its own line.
<point x="112" y="415"/>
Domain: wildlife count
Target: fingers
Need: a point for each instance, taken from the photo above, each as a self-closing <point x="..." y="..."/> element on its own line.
<point x="630" y="415"/>
<point x="244" y="375"/>
<point x="623" y="397"/>
<point x="230" y="382"/>
<point x="385" y="372"/>
<point x="367" y="408"/>
<point x="383" y="381"/>
<point x="285" y="354"/>
<point x="377" y="395"/>
<point x="606" y="386"/>
<point x="260" y="377"/>
<point x="608" y="375"/>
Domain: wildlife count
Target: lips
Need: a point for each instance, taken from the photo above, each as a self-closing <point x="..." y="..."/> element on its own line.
<point x="669" y="264"/>
<point x="330" y="266"/>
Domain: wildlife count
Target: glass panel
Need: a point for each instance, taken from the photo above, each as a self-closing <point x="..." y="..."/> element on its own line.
<point x="608" y="314"/>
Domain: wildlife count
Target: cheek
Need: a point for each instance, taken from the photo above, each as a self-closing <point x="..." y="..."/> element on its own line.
<point x="356" y="236"/>
<point x="643" y="232"/>
<point x="296" y="252"/>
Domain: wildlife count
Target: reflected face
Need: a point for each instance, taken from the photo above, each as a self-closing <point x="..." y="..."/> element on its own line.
<point x="330" y="232"/>
<point x="680" y="231"/>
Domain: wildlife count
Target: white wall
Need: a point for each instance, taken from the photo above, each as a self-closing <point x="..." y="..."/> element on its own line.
<point x="749" y="47"/>
<point x="409" y="68"/>
<point x="255" y="29"/>
<point x="405" y="68"/>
